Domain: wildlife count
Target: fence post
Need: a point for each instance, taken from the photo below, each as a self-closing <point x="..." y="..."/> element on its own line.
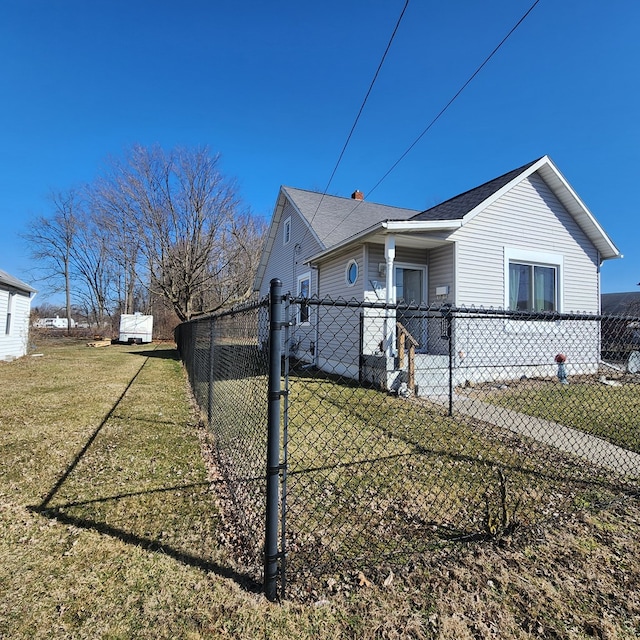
<point x="273" y="440"/>
<point x="211" y="371"/>
<point x="446" y="312"/>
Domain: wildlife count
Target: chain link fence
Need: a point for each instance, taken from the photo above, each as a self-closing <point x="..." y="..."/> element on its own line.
<point x="227" y="368"/>
<point x="404" y="428"/>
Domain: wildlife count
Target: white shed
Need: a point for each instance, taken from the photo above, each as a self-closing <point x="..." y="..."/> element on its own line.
<point x="15" y="307"/>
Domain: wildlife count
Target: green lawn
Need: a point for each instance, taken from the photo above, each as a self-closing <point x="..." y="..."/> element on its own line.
<point x="110" y="525"/>
<point x="375" y="479"/>
<point x="113" y="525"/>
<point x="609" y="412"/>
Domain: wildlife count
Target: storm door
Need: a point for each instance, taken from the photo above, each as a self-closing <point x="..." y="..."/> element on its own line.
<point x="411" y="289"/>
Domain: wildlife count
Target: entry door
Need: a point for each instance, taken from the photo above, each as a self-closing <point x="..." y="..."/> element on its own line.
<point x="411" y="289"/>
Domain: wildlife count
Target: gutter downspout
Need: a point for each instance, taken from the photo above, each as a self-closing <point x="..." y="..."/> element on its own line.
<point x="389" y="321"/>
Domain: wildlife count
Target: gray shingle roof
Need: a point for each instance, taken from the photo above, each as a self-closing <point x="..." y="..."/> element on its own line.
<point x="625" y="303"/>
<point x="9" y="281"/>
<point x="334" y="219"/>
<point x="457" y="207"/>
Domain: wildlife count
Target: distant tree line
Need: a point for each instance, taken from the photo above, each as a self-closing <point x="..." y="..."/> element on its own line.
<point x="156" y="229"/>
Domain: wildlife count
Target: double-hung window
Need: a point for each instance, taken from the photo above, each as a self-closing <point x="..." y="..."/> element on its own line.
<point x="286" y="231"/>
<point x="304" y="291"/>
<point x="10" y="304"/>
<point x="533" y="281"/>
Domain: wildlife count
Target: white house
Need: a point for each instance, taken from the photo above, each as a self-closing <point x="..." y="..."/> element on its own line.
<point x="523" y="241"/>
<point x="54" y="323"/>
<point x="15" y="307"/>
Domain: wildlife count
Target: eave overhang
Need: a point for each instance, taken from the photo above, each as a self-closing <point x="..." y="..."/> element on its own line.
<point x="569" y="199"/>
<point x="386" y="227"/>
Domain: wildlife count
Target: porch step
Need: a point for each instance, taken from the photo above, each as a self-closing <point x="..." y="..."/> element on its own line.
<point x="432" y="374"/>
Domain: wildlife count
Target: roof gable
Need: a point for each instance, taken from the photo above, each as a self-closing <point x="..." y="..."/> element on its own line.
<point x="336" y="221"/>
<point x="459" y="206"/>
<point x="467" y="205"/>
<point x="8" y="280"/>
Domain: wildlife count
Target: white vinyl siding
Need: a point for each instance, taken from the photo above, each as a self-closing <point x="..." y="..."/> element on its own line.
<point x="14" y="342"/>
<point x="374" y="281"/>
<point x="339" y="328"/>
<point x="287" y="262"/>
<point x="332" y="282"/>
<point x="528" y="217"/>
<point x="528" y="224"/>
<point x="411" y="256"/>
<point x="441" y="273"/>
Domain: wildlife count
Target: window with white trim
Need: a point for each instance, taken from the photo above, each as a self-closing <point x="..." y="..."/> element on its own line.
<point x="351" y="273"/>
<point x="304" y="291"/>
<point x="533" y="287"/>
<point x="533" y="281"/>
<point x="286" y="231"/>
<point x="10" y="303"/>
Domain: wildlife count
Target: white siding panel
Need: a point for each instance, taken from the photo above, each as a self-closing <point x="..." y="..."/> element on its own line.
<point x="339" y="328"/>
<point x="332" y="276"/>
<point x="375" y="285"/>
<point x="411" y="256"/>
<point x="339" y="339"/>
<point x="14" y="345"/>
<point x="529" y="217"/>
<point x="441" y="273"/>
<point x="286" y="262"/>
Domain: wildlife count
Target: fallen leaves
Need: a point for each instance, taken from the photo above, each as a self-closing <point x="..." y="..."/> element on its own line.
<point x="363" y="581"/>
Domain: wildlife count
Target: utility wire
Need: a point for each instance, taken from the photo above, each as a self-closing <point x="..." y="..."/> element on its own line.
<point x="375" y="77"/>
<point x="429" y="126"/>
<point x="446" y="107"/>
<point x="364" y="102"/>
<point x="440" y="114"/>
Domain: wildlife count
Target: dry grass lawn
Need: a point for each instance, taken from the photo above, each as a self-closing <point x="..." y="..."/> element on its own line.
<point x="111" y="527"/>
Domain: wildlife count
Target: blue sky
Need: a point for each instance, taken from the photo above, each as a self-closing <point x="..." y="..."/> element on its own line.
<point x="274" y="88"/>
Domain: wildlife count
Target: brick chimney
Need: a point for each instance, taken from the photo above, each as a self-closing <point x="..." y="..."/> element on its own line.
<point x="357" y="195"/>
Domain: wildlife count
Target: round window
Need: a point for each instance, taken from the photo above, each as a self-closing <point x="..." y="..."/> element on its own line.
<point x="352" y="272"/>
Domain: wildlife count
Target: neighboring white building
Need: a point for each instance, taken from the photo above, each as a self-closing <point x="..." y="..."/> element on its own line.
<point x="53" y="323"/>
<point x="15" y="307"/>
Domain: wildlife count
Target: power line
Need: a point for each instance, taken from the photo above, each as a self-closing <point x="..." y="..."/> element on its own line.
<point x="364" y="102"/>
<point x="452" y="100"/>
<point x="344" y="148"/>
<point x="433" y="121"/>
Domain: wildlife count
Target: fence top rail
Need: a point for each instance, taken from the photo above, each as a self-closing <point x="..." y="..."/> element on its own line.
<point x="241" y="308"/>
<point x="450" y="310"/>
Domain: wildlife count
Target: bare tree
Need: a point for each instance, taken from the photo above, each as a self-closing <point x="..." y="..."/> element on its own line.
<point x="51" y="242"/>
<point x="185" y="217"/>
<point x="90" y="262"/>
<point x="116" y="216"/>
<point x="242" y="247"/>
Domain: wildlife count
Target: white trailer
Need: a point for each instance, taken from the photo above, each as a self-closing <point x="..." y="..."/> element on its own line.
<point x="135" y="327"/>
